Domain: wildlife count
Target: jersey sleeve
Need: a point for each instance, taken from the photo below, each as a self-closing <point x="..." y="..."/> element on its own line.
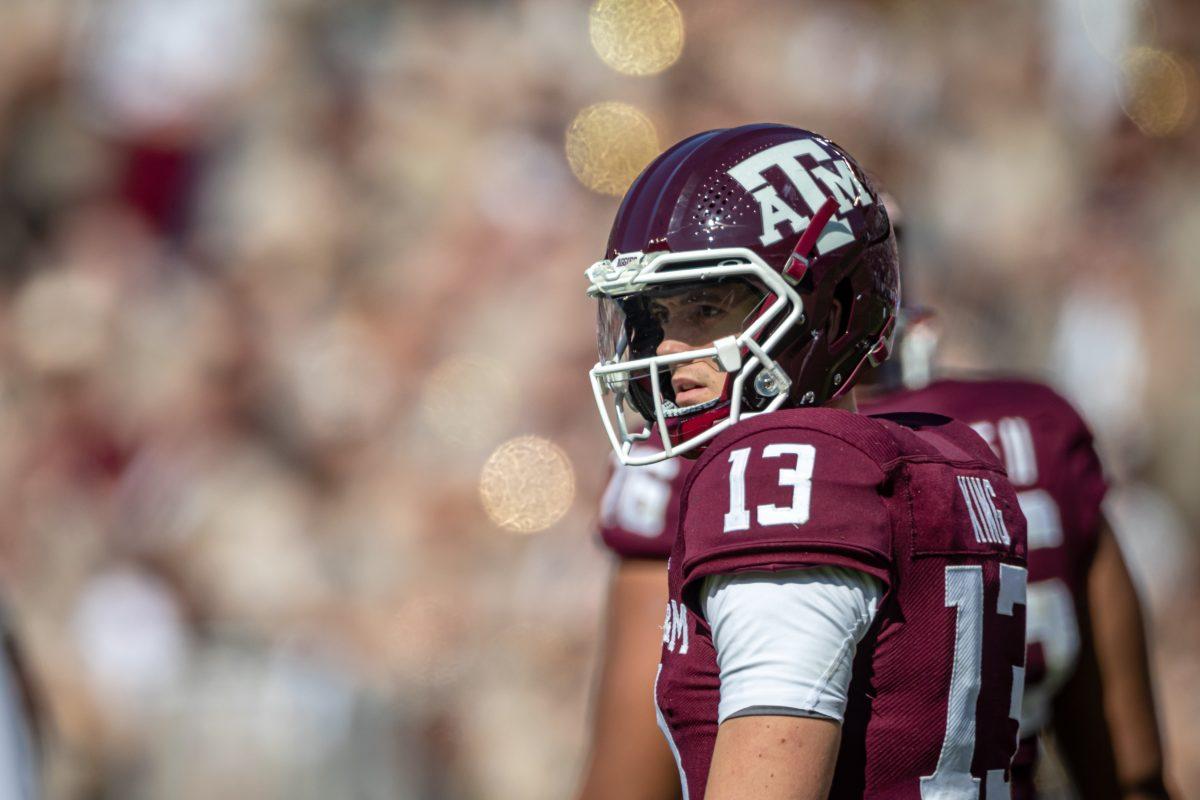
<point x="781" y="499"/>
<point x="1083" y="478"/>
<point x="639" y="512"/>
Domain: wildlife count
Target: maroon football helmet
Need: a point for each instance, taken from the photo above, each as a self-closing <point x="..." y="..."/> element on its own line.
<point x="772" y="212"/>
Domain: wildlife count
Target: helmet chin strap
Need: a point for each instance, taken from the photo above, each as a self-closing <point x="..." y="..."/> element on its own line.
<point x="670" y="410"/>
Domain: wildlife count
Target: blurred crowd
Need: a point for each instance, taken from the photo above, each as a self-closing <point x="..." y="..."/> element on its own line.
<point x="276" y="276"/>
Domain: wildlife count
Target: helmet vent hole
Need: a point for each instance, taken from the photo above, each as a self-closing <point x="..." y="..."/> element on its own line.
<point x="843" y="296"/>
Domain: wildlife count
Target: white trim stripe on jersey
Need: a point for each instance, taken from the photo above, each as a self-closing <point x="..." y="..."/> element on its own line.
<point x="662" y="726"/>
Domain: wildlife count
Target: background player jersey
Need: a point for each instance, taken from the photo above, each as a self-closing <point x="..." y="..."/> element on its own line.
<point x="1048" y="452"/>
<point x="919" y="502"/>
<point x="640" y="508"/>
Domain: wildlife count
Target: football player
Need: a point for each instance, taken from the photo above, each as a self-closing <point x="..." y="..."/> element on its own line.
<point x="1086" y="657"/>
<point x="846" y="593"/>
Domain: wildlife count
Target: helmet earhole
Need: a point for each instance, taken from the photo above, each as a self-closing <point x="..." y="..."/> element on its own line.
<point x="839" y="314"/>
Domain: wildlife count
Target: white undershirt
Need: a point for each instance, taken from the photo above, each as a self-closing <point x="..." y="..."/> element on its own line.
<point x="785" y="641"/>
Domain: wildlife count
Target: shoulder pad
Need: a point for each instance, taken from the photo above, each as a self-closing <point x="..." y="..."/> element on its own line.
<point x="785" y="495"/>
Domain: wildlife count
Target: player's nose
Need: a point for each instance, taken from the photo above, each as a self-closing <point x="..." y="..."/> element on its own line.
<point x="669" y="347"/>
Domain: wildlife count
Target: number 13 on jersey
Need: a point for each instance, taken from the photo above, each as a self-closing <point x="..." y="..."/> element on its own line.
<point x="798" y="476"/>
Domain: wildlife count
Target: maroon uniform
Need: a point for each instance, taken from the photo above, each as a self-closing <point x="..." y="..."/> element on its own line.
<point x="1048" y="452"/>
<point x="639" y="513"/>
<point x="921" y="504"/>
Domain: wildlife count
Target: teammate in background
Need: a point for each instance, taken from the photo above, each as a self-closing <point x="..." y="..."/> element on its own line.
<point x="1087" y="675"/>
<point x="846" y="593"/>
<point x="1086" y="671"/>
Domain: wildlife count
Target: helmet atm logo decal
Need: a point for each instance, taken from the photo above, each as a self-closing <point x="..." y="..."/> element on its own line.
<point x="843" y="185"/>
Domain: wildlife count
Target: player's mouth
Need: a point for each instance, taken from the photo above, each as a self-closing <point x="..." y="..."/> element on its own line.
<point x="689" y="392"/>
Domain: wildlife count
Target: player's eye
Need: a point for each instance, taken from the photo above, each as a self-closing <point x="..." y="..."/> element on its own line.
<point x="706" y="313"/>
<point x="659" y="313"/>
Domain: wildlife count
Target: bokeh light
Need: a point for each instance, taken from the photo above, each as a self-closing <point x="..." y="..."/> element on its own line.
<point x="469" y="400"/>
<point x="1158" y="91"/>
<point x="608" y="144"/>
<point x="636" y="37"/>
<point x="527" y="484"/>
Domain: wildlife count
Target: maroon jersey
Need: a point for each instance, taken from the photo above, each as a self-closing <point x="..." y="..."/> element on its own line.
<point x="919" y="502"/>
<point x="640" y="510"/>
<point x="1048" y="452"/>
